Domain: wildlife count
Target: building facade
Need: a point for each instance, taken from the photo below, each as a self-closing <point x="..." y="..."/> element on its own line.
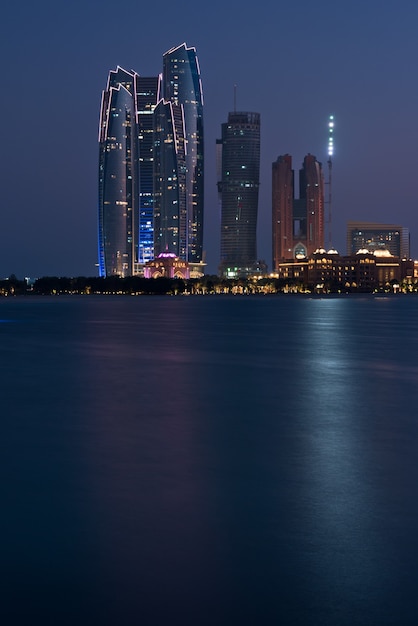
<point x="181" y="114"/>
<point x="151" y="166"/>
<point x="238" y="188"/>
<point x="167" y="265"/>
<point x="373" y="236"/>
<point x="297" y="223"/>
<point x="328" y="271"/>
<point x="147" y="94"/>
<point x="170" y="194"/>
<point x="118" y="195"/>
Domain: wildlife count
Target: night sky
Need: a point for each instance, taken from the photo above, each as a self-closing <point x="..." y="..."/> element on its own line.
<point x="293" y="62"/>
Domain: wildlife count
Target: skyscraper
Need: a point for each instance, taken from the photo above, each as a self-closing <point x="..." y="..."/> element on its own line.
<point x="147" y="94"/>
<point x="126" y="196"/>
<point x="179" y="157"/>
<point x="282" y="204"/>
<point x="238" y="189"/>
<point x="118" y="195"/>
<point x="151" y="165"/>
<point x="170" y="193"/>
<point x="298" y="223"/>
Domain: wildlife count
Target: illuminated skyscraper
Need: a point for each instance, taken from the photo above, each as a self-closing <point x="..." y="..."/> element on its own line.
<point x="238" y="189"/>
<point x="118" y="195"/>
<point x="126" y="197"/>
<point x="147" y="93"/>
<point x="170" y="193"/>
<point x="151" y="165"/>
<point x="298" y="224"/>
<point x="179" y="157"/>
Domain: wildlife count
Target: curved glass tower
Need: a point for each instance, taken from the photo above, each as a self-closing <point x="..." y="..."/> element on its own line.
<point x="117" y="176"/>
<point x="147" y="94"/>
<point x="151" y="165"/>
<point x="181" y="85"/>
<point x="170" y="197"/>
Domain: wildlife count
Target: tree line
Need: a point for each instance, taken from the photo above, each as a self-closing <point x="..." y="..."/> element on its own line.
<point x="137" y="285"/>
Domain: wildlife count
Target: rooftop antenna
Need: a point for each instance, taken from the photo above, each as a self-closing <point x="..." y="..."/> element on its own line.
<point x="330" y="155"/>
<point x="235" y="98"/>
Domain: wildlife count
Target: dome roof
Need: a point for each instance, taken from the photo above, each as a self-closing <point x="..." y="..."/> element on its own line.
<point x="166" y="255"/>
<point x="382" y="252"/>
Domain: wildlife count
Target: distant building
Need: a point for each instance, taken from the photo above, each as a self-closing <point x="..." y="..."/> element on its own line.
<point x="373" y="236"/>
<point x="364" y="271"/>
<point x="238" y="184"/>
<point x="297" y="223"/>
<point x="167" y="264"/>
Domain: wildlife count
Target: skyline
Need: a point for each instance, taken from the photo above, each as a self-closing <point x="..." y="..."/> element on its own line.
<point x="295" y="65"/>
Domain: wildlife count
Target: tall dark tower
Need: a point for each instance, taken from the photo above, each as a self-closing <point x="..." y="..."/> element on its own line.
<point x="238" y="188"/>
<point x="283" y="196"/>
<point x="311" y="191"/>
<point x="298" y="223"/>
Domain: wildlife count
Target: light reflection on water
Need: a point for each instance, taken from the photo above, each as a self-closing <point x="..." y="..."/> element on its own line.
<point x="344" y="542"/>
<point x="226" y="460"/>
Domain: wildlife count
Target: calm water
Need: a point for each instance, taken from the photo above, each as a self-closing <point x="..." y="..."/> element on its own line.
<point x="209" y="461"/>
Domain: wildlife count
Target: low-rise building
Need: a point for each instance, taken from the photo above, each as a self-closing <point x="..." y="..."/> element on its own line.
<point x="364" y="271"/>
<point x="167" y="265"/>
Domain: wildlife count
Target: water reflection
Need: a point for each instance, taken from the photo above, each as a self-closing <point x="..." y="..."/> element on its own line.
<point x="342" y="548"/>
<point x="145" y="464"/>
<point x="225" y="460"/>
<point x="224" y="447"/>
<point x="346" y="415"/>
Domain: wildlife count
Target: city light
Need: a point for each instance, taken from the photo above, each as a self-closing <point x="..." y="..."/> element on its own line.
<point x="330" y="136"/>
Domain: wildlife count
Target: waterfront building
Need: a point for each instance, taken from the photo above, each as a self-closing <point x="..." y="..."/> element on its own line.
<point x="151" y="166"/>
<point x="374" y="236"/>
<point x="170" y="191"/>
<point x="297" y="223"/>
<point x="282" y="210"/>
<point x="365" y="271"/>
<point x="118" y="195"/>
<point x="179" y="157"/>
<point x="238" y="185"/>
<point x="167" y="265"/>
<point x="147" y="95"/>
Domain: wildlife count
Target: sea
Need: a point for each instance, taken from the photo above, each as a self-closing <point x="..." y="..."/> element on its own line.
<point x="209" y="460"/>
